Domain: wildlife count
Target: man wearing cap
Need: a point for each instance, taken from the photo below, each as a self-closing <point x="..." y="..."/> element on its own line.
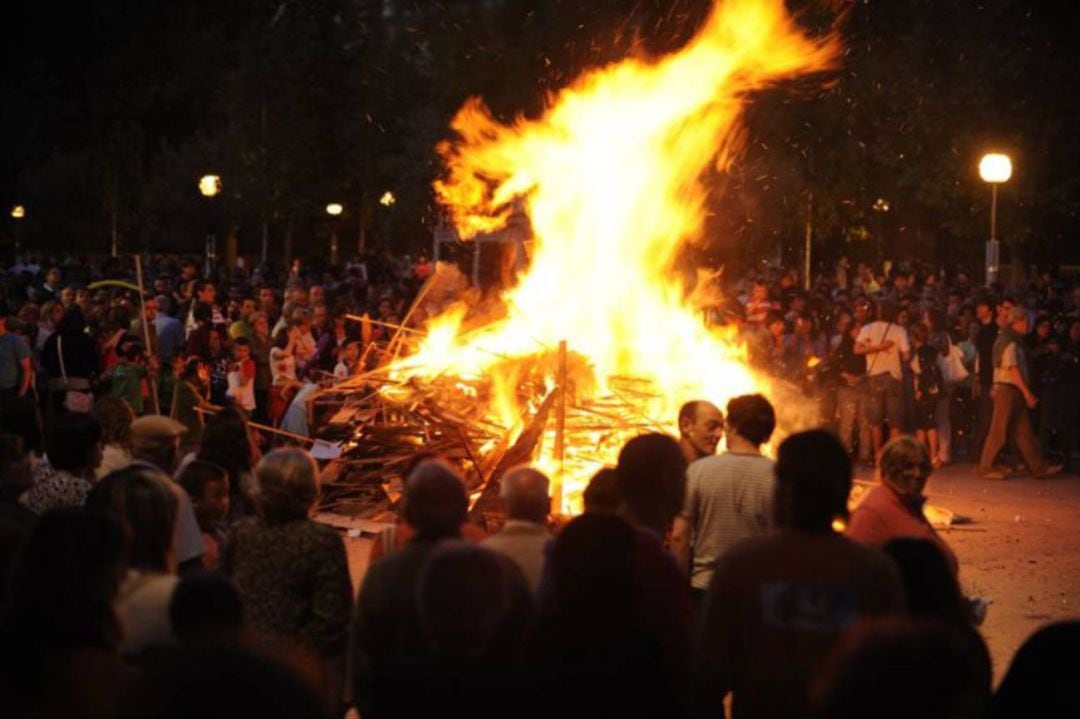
<point x="155" y="440"/>
<point x="15" y="371"/>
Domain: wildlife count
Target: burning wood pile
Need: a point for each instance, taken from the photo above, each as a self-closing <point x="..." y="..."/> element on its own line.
<point x="384" y="423"/>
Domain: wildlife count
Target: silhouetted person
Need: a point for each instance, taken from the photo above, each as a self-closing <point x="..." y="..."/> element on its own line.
<point x="601" y="494"/>
<point x="524" y="493"/>
<point x="206" y="609"/>
<point x="60" y="635"/>
<point x="386" y="630"/>
<point x="777" y="604"/>
<point x="899" y="669"/>
<point x="1041" y="681"/>
<point x="600" y="638"/>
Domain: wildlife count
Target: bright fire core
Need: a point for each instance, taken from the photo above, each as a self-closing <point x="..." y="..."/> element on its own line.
<point x="611" y="178"/>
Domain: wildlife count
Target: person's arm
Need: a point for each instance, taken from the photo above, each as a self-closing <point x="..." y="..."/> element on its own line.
<point x="331" y="598"/>
<point x="680" y="543"/>
<point x="1018" y="379"/>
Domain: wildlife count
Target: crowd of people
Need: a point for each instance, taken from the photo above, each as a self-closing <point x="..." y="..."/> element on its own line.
<point x="161" y="558"/>
<point x="969" y="370"/>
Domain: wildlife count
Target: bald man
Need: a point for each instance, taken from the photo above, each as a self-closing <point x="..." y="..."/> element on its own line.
<point x="524" y="493"/>
<point x="701" y="427"/>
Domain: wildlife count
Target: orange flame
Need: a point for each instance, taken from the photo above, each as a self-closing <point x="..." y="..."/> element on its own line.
<point x="611" y="180"/>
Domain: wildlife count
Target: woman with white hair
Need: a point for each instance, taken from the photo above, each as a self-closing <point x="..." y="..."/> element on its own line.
<point x="894" y="509"/>
<point x="291" y="573"/>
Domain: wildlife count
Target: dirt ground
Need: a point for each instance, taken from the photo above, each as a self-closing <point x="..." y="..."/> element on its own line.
<point x="1021" y="551"/>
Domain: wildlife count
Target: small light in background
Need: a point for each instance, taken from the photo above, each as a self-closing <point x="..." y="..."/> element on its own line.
<point x="387" y="199"/>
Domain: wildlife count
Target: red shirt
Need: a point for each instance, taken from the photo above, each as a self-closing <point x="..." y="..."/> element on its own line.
<point x="884" y="516"/>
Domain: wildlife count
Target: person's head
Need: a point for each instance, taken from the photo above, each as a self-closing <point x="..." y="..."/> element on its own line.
<point x="215" y="342"/>
<point x="188" y="271"/>
<point x="863" y="310"/>
<point x="72" y="322"/>
<point x="929" y="583"/>
<point x="67" y="296"/>
<point x="473" y="603"/>
<point x="651" y="480"/>
<point x="435" y="504"/>
<point x="905" y="466"/>
<point x="286" y="485"/>
<point x="150" y="309"/>
<point x="247" y="308"/>
<point x="774" y="322"/>
<point x="15" y="474"/>
<point x="813" y="481"/>
<point x="64" y="582"/>
<point x="205" y="609"/>
<point x="52" y="276"/>
<point x="317" y="295"/>
<point x="1017" y="320"/>
<point x="900" y="668"/>
<point x="524" y="492"/>
<point x="208" y="486"/>
<point x="260" y="322"/>
<point x="1003" y="309"/>
<point x="1038" y="683"/>
<point x="301" y="318"/>
<point x="591" y="565"/>
<point x="267" y="299"/>
<point x="701" y="426"/>
<point x="888" y="311"/>
<point x="919" y="333"/>
<point x="984" y="310"/>
<point x="752" y="417"/>
<point x="141" y="497"/>
<point x="759" y="291"/>
<point x="115" y="417"/>
<point x="1044" y="327"/>
<point x="156" y="439"/>
<point x="202" y="313"/>
<point x="320" y="315"/>
<point x="74" y="443"/>
<point x="242" y="349"/>
<point x="601" y="494"/>
<point x="205" y="292"/>
<point x="351" y="353"/>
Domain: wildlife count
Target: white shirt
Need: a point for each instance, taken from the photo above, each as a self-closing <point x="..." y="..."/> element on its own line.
<point x="876" y="333"/>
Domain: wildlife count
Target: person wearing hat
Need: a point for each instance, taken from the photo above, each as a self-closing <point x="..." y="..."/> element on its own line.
<point x="15" y="370"/>
<point x="155" y="440"/>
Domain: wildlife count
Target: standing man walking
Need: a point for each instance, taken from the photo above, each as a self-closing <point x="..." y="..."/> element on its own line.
<point x="985" y="337"/>
<point x="1012" y="399"/>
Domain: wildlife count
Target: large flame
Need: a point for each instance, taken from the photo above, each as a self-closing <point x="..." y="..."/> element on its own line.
<point x="611" y="178"/>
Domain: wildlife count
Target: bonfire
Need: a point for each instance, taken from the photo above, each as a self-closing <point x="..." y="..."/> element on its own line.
<point x="598" y="340"/>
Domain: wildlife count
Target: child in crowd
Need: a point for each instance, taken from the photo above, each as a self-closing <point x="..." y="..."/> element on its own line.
<point x="219" y="364"/>
<point x="349" y="361"/>
<point x="242" y="375"/>
<point x="208" y="486"/>
<point x="128" y="375"/>
<point x="188" y="397"/>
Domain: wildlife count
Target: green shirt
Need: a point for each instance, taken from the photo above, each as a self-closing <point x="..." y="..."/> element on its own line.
<point x="127" y="384"/>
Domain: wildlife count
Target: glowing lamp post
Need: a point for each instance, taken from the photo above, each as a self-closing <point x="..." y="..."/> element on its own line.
<point x="334" y="209"/>
<point x="209" y="187"/>
<point x="18" y="213"/>
<point x="994" y="168"/>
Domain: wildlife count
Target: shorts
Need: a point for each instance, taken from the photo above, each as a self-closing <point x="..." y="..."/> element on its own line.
<point x="884" y="401"/>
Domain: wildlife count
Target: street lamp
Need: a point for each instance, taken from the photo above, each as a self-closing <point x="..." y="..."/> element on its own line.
<point x="994" y="168"/>
<point x="880" y="207"/>
<point x="210" y="186"/>
<point x="18" y="213"/>
<point x="334" y="209"/>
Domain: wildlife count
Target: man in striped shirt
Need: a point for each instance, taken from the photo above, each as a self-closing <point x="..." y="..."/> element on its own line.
<point x="728" y="496"/>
